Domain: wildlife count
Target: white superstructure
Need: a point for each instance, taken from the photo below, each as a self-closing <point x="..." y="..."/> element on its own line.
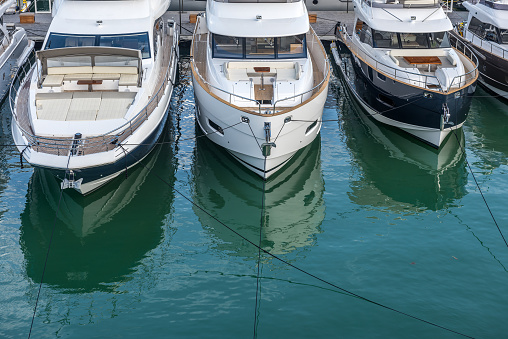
<point x="260" y="78"/>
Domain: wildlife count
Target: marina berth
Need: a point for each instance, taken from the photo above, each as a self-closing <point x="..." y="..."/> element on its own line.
<point x="486" y="32"/>
<point x="95" y="101"/>
<point x="15" y="49"/>
<point x="260" y="78"/>
<point x="401" y="66"/>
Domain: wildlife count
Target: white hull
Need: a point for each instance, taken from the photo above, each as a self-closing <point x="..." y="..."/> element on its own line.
<point x="245" y="144"/>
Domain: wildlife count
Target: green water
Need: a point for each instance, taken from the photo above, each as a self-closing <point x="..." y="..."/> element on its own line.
<point x="363" y="207"/>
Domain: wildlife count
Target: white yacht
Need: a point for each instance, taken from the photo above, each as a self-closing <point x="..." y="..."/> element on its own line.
<point x="260" y="78"/>
<point x="399" y="64"/>
<point x="486" y="32"/>
<point x="15" y="48"/>
<point x="95" y="102"/>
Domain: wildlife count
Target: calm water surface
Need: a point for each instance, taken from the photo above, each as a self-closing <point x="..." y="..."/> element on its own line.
<point x="362" y="207"/>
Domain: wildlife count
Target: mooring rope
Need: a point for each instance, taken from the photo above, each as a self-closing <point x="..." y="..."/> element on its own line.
<point x="296" y="267"/>
<point x="49" y="247"/>
<point x="479" y="188"/>
<point x="261" y="222"/>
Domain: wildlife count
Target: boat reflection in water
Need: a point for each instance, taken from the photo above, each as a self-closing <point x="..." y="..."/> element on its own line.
<point x="99" y="239"/>
<point x="400" y="173"/>
<point x="294" y="201"/>
<point x="489" y="128"/>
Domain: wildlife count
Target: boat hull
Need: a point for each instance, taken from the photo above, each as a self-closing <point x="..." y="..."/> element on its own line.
<point x="108" y="164"/>
<point x="289" y="131"/>
<point x="412" y="109"/>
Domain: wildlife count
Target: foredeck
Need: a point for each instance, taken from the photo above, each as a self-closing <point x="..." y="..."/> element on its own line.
<point x="320" y="68"/>
<point x="94" y="144"/>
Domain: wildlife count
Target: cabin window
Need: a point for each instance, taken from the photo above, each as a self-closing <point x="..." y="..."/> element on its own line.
<point x="439" y="40"/>
<point x="414" y="40"/>
<point x="385" y="39"/>
<point x="394" y="40"/>
<point x="291" y="47"/>
<point x="503" y="36"/>
<point x="364" y="32"/>
<point x="260" y="48"/>
<point x="229" y="47"/>
<point x="381" y="76"/>
<point x="132" y="41"/>
<point x="483" y="30"/>
<point x="476" y="27"/>
<point x="57" y="40"/>
<point x="137" y="41"/>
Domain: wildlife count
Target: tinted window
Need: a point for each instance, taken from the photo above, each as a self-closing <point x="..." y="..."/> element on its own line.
<point x="131" y="41"/>
<point x="439" y="40"/>
<point x="57" y="40"/>
<point x="385" y="39"/>
<point x="227" y="47"/>
<point x="260" y="48"/>
<point x="291" y="47"/>
<point x="137" y="41"/>
<point x="414" y="40"/>
<point x="503" y="35"/>
<point x="365" y="34"/>
<point x="477" y="27"/>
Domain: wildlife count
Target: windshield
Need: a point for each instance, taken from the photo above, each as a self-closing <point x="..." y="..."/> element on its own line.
<point x="503" y="35"/>
<point x="137" y="41"/>
<point x="288" y="47"/>
<point x="393" y="40"/>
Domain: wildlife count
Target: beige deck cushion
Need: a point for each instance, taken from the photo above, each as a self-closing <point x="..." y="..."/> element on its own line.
<point x="128" y="80"/>
<point x="84" y="106"/>
<point x="76" y="77"/>
<point x="286" y="74"/>
<point x="115" y="69"/>
<point x="81" y="115"/>
<point x="53" y="109"/>
<point x="114" y="105"/>
<point x="70" y="70"/>
<point x="53" y="80"/>
<point x="106" y="76"/>
<point x="47" y="96"/>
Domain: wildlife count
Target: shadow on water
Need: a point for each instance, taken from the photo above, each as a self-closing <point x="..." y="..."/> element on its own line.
<point x="398" y="169"/>
<point x="294" y="200"/>
<point x="100" y="238"/>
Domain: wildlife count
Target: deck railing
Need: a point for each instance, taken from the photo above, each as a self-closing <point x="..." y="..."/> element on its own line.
<point x="429" y="82"/>
<point x="487" y="45"/>
<point x="19" y="96"/>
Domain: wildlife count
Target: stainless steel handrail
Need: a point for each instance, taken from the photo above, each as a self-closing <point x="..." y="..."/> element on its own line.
<point x="327" y="67"/>
<point x="488" y="43"/>
<point x="90" y="142"/>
